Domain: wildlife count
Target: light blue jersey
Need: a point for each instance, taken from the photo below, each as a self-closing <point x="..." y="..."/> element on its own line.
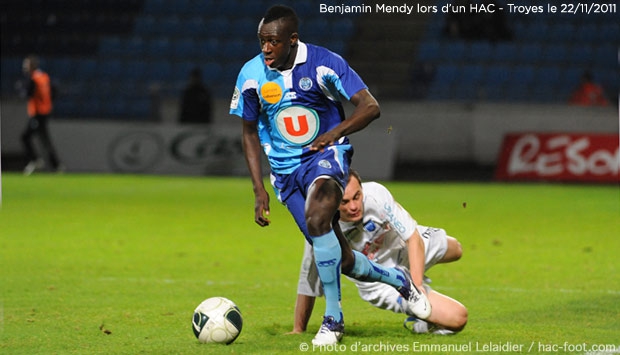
<point x="294" y="106"/>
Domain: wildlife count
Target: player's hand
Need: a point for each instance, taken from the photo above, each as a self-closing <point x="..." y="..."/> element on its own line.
<point x="261" y="208"/>
<point x="324" y="140"/>
<point x="294" y="331"/>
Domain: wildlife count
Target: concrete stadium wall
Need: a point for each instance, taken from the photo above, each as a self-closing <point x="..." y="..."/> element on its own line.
<point x="407" y="132"/>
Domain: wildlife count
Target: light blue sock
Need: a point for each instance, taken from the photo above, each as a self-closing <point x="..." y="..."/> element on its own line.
<point x="327" y="256"/>
<point x="367" y="270"/>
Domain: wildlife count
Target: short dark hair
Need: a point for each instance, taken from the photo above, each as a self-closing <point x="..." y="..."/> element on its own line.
<point x="354" y="174"/>
<point x="277" y="12"/>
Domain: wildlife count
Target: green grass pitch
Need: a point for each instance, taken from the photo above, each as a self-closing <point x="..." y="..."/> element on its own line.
<point x="116" y="264"/>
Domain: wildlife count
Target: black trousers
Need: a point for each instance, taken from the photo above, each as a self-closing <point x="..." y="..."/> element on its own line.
<point x="37" y="126"/>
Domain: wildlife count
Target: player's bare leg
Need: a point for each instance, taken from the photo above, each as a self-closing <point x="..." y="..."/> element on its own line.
<point x="448" y="316"/>
<point x="454" y="251"/>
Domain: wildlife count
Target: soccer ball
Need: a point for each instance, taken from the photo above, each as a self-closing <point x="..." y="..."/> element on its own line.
<point x="217" y="320"/>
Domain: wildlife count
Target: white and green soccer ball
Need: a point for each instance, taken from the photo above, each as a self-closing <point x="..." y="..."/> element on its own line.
<point x="217" y="320"/>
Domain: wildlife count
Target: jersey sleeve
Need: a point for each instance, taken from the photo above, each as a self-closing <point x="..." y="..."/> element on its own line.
<point x="337" y="78"/>
<point x="245" y="102"/>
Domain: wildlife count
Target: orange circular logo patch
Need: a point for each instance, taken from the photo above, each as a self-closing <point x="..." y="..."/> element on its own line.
<point x="271" y="92"/>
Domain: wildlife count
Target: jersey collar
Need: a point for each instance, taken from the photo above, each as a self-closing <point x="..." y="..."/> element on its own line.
<point x="300" y="57"/>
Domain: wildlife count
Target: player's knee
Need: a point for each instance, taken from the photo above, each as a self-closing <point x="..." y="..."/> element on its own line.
<point x="462" y="320"/>
<point x="458" y="252"/>
<point x="458" y="320"/>
<point x="317" y="223"/>
<point x="321" y="206"/>
<point x="454" y="252"/>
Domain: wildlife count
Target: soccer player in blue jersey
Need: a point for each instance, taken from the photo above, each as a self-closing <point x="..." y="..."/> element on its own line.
<point x="288" y="97"/>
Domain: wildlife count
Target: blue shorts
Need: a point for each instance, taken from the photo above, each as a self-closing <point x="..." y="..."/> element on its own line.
<point x="291" y="189"/>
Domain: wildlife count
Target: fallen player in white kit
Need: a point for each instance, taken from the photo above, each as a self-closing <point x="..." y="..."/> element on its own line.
<point x="377" y="226"/>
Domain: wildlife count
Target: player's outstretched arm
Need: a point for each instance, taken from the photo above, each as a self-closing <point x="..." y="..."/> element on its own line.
<point x="303" y="311"/>
<point x="415" y="251"/>
<point x="252" y="152"/>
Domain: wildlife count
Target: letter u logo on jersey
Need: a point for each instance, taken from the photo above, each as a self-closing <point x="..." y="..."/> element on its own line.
<point x="297" y="124"/>
<point x="297" y="128"/>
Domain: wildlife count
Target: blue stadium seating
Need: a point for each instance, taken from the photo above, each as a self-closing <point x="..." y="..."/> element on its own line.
<point x="543" y="62"/>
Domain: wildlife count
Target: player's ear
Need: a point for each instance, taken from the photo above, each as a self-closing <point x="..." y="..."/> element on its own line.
<point x="294" y="39"/>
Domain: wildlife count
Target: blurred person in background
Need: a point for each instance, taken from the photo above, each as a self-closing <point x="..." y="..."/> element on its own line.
<point x="40" y="93"/>
<point x="588" y="93"/>
<point x="196" y="104"/>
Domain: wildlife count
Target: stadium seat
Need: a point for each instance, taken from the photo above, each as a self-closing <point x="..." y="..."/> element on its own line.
<point x="183" y="48"/>
<point x="504" y="53"/>
<point x="560" y="32"/>
<point x="139" y="107"/>
<point x="605" y="56"/>
<point x="235" y="48"/>
<point x="85" y="69"/>
<point x="133" y="69"/>
<point x="159" y="71"/>
<point x="342" y="27"/>
<point x="211" y="72"/>
<point x="529" y="53"/>
<point x="61" y="68"/>
<point x="194" y="27"/>
<point x="217" y="27"/>
<point x="230" y="8"/>
<point x="109" y="68"/>
<point x="167" y="25"/>
<point x="608" y="32"/>
<point x="155" y="7"/>
<point x="144" y="25"/>
<point x="453" y="51"/>
<point x="245" y="27"/>
<point x="182" y="69"/>
<point x="581" y="55"/>
<point x="442" y="84"/>
<point x="429" y="51"/>
<point x="555" y="54"/>
<point x="158" y="47"/>
<point x="530" y="31"/>
<point x="337" y="45"/>
<point x="471" y="75"/>
<point x="181" y="7"/>
<point x="111" y="46"/>
<point x="478" y="51"/>
<point x="134" y="46"/>
<point x="545" y="75"/>
<point x="207" y="48"/>
<point x="446" y="74"/>
<point x="521" y="75"/>
<point x="496" y="76"/>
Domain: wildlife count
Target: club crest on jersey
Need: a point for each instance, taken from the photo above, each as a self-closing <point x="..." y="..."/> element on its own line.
<point x="298" y="125"/>
<point x="305" y="83"/>
<point x="325" y="164"/>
